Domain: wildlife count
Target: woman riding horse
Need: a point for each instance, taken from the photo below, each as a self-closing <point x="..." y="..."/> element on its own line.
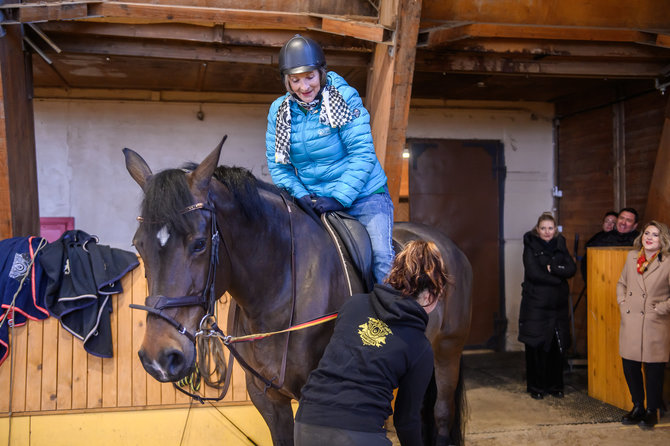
<point x="205" y="230"/>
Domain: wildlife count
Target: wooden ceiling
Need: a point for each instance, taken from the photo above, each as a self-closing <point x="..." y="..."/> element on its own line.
<point x="466" y="49"/>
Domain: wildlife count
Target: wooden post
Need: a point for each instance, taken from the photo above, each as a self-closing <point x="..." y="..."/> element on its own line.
<point x="658" y="200"/>
<point x="390" y="87"/>
<point x="19" y="209"/>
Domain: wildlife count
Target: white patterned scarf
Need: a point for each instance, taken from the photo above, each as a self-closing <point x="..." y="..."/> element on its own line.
<point x="334" y="113"/>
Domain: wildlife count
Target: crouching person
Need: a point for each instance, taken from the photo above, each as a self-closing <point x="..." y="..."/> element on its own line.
<point x="378" y="345"/>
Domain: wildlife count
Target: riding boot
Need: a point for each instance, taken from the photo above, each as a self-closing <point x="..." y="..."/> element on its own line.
<point x="649" y="420"/>
<point x="634" y="416"/>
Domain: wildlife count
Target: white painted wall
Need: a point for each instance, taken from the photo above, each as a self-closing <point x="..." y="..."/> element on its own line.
<point x="81" y="169"/>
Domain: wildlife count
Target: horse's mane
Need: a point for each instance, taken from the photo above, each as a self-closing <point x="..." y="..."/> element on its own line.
<point x="166" y="195"/>
<point x="245" y="186"/>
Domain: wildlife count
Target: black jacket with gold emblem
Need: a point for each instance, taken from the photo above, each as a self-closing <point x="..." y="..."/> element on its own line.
<point x="379" y="344"/>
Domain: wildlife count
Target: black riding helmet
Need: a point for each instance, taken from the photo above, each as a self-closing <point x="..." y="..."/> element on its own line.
<point x="300" y="55"/>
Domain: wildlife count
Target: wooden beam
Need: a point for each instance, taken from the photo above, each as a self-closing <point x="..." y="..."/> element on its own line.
<point x="167" y="13"/>
<point x="126" y="94"/>
<point x="658" y="200"/>
<point x="443" y="36"/>
<point x="543" y="48"/>
<point x="178" y="51"/>
<point x="155" y="13"/>
<point x="360" y="30"/>
<point x="44" y="12"/>
<point x="274" y="38"/>
<point x="638" y="14"/>
<point x="388" y="13"/>
<point x="18" y="161"/>
<point x="5" y="200"/>
<point x="137" y="13"/>
<point x="450" y="62"/>
<point x="389" y="91"/>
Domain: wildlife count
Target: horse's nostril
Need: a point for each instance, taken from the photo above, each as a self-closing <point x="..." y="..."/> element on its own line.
<point x="173" y="362"/>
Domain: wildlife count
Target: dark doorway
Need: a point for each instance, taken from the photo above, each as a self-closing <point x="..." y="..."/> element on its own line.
<point x="457" y="186"/>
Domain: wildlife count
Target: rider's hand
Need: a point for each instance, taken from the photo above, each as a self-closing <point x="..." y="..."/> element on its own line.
<point x="325" y="204"/>
<point x="306" y="202"/>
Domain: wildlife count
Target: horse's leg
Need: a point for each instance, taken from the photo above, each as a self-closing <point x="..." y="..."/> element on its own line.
<point x="450" y="404"/>
<point x="276" y="411"/>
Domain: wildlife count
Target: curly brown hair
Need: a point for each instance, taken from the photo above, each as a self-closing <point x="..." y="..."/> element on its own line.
<point x="418" y="267"/>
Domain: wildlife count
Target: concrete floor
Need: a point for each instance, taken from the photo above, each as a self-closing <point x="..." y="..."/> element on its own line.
<point x="502" y="413"/>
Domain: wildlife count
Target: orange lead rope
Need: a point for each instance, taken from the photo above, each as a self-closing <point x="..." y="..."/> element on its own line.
<point x="255" y="337"/>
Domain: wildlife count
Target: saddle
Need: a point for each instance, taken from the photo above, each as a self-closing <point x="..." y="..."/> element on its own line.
<point x="353" y="244"/>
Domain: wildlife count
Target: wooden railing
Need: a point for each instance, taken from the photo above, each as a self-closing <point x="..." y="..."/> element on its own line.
<point x="48" y="370"/>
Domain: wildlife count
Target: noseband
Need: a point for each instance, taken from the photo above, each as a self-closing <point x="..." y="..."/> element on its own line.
<point x="207" y="299"/>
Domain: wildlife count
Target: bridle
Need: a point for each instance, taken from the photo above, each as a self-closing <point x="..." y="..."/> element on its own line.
<point x="208" y="327"/>
<point x="207" y="299"/>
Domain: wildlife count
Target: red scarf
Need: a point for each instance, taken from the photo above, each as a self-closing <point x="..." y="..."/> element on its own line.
<point x="643" y="263"/>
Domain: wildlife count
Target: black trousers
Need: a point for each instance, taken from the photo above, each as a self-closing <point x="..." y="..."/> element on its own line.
<point x="544" y="369"/>
<point x="653" y="372"/>
<point x="314" y="435"/>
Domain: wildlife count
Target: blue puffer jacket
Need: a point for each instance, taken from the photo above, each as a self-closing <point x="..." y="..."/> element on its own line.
<point x="338" y="163"/>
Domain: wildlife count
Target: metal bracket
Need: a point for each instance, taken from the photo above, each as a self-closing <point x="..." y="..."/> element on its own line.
<point x="660" y="86"/>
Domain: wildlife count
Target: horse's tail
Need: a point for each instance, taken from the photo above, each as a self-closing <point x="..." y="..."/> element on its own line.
<point x="457" y="432"/>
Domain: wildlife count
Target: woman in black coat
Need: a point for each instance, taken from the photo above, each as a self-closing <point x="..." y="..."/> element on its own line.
<point x="544" y="315"/>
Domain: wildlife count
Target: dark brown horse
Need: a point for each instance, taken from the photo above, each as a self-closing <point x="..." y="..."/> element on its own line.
<point x="281" y="268"/>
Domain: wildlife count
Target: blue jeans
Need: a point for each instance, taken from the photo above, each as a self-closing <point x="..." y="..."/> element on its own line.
<point x="375" y="212"/>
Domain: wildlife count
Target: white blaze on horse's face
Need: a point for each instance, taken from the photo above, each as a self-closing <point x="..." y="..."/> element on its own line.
<point x="156" y="367"/>
<point x="163" y="235"/>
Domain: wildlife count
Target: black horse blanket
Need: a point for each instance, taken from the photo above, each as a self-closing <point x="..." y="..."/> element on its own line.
<point x="82" y="277"/>
<point x="22" y="286"/>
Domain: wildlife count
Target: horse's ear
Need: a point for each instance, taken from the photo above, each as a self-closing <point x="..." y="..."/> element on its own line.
<point x="137" y="167"/>
<point x="203" y="173"/>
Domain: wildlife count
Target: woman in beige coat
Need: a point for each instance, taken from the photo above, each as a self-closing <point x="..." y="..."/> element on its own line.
<point x="643" y="295"/>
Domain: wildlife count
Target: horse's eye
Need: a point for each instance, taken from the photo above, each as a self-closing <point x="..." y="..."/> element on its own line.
<point x="199" y="245"/>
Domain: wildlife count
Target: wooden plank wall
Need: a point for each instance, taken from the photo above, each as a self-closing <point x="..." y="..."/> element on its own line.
<point x="586" y="167"/>
<point x="644" y="118"/>
<point x="605" y="372"/>
<point x="53" y="373"/>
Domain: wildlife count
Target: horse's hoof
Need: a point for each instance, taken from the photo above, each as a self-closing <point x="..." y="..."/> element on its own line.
<point x="536" y="395"/>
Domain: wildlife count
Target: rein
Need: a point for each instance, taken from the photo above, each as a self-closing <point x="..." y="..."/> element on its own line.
<point x="208" y="328"/>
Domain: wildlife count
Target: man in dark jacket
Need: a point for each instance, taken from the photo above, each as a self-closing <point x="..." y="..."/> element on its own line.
<point x="623" y="234"/>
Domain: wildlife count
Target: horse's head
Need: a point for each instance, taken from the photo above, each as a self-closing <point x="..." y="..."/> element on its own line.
<point x="177" y="240"/>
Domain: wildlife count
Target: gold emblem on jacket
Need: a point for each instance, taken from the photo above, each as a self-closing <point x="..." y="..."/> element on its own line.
<point x="374" y="332"/>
